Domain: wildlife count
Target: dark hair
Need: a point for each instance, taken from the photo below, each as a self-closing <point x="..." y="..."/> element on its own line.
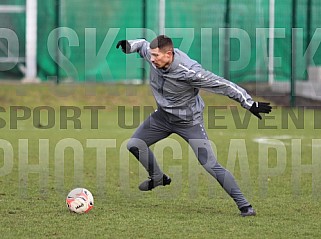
<point x="162" y="42"/>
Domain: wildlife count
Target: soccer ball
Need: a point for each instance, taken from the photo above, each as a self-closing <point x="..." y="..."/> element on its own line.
<point x="80" y="200"/>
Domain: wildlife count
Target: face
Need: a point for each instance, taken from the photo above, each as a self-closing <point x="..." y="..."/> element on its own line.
<point x="161" y="59"/>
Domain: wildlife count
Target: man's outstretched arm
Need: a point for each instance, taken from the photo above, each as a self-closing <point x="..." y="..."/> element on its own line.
<point x="216" y="84"/>
<point x="140" y="46"/>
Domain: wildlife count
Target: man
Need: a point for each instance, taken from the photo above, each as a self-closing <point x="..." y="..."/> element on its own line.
<point x="175" y="80"/>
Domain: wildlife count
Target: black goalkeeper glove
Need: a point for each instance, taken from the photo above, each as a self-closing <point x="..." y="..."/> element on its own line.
<point x="125" y="46"/>
<point x="260" y="107"/>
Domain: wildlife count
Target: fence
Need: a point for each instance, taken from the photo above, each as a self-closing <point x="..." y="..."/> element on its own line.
<point x="76" y="39"/>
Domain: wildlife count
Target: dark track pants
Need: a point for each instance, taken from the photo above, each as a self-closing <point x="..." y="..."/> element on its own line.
<point x="157" y="127"/>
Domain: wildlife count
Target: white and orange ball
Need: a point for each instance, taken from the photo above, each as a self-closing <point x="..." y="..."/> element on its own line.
<point x="80" y="200"/>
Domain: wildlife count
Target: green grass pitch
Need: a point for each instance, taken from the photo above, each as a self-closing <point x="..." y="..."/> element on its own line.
<point x="277" y="164"/>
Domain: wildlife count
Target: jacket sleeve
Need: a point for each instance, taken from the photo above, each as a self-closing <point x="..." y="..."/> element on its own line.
<point x="208" y="81"/>
<point x="141" y="46"/>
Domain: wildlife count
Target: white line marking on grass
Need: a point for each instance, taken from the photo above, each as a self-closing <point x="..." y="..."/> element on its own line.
<point x="314" y="145"/>
<point x="285" y="139"/>
<point x="269" y="141"/>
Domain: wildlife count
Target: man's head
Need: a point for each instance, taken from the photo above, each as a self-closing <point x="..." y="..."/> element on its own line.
<point x="162" y="51"/>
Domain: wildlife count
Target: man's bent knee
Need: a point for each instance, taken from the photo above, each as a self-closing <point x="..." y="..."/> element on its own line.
<point x="134" y="145"/>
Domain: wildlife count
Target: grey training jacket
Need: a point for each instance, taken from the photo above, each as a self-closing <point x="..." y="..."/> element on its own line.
<point x="176" y="89"/>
